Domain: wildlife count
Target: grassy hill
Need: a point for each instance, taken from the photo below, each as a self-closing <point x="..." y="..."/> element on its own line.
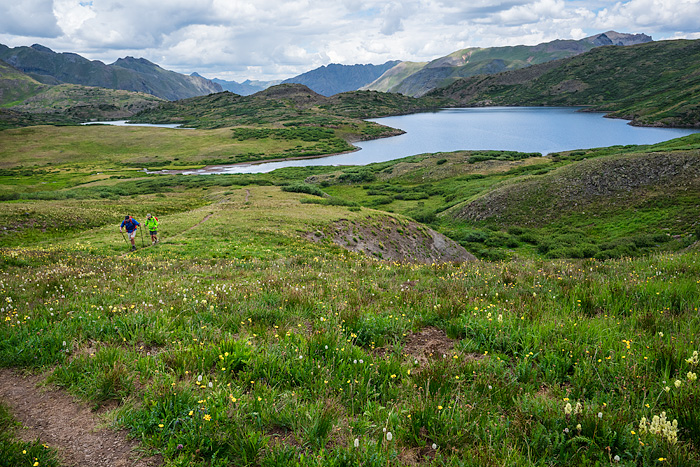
<point x="16" y="86"/>
<point x="282" y="104"/>
<point x="238" y="340"/>
<point x="84" y="103"/>
<point x="651" y="84"/>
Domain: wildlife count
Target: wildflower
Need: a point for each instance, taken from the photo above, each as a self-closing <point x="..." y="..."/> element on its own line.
<point x="389" y="436"/>
<point x="578" y="427"/>
<point x="356" y="443"/>
<point x="199" y="378"/>
<point x="661" y="427"/>
<point x="568" y="409"/>
<point x="692" y="376"/>
<point x="434" y="446"/>
<point x="666" y="388"/>
<point x="160" y="425"/>
<point x="578" y="408"/>
<point x="439" y="407"/>
<point x="207" y="417"/>
<point x="600" y="414"/>
<point x="180" y="446"/>
<point x="694" y="359"/>
<point x="616" y="458"/>
<point x="677" y="383"/>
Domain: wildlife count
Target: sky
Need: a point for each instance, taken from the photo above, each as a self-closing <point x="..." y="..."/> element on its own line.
<point x="277" y="39"/>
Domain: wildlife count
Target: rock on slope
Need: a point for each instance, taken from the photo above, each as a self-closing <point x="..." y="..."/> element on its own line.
<point x="388" y="238"/>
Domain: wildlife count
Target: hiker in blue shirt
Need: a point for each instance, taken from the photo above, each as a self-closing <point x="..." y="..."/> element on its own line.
<point x="131" y="226"/>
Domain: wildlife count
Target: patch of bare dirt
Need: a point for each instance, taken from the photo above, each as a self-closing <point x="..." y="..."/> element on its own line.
<point x="428" y="344"/>
<point x="388" y="238"/>
<point x="70" y="427"/>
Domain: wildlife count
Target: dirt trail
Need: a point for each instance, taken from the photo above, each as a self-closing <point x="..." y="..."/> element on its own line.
<point x="53" y="416"/>
<point x="206" y="218"/>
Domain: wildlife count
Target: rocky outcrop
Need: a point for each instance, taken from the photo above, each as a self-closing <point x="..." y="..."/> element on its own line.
<point x="387" y="238"/>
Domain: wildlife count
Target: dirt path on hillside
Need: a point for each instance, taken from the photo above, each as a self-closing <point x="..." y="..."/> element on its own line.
<point x="57" y="420"/>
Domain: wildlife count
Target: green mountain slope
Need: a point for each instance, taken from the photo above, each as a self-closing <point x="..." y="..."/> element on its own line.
<point x="394" y="76"/>
<point x="477" y="61"/>
<point x="128" y="73"/>
<point x="16" y="86"/>
<point x="652" y="84"/>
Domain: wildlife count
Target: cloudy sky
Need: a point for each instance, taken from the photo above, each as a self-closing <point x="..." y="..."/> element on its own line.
<point x="276" y="39"/>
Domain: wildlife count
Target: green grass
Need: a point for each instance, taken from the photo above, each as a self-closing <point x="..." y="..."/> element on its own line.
<point x="281" y="349"/>
<point x="110" y="147"/>
<point x="238" y="341"/>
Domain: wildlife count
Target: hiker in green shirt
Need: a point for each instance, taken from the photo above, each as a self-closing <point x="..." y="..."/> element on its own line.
<point x="152" y="226"/>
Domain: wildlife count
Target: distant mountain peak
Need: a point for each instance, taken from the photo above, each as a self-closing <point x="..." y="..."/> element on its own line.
<point x="617" y="38"/>
<point x="42" y="48"/>
<point x="129" y="60"/>
<point x="336" y="78"/>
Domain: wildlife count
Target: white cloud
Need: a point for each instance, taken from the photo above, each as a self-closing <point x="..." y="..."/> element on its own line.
<point x="28" y="18"/>
<point x="640" y="15"/>
<point x="266" y="39"/>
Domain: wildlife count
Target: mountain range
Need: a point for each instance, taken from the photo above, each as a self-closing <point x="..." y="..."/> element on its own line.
<point x="334" y="78"/>
<point x="408" y="78"/>
<point x="416" y="78"/>
<point x="246" y="88"/>
<point x="129" y="74"/>
<point x="650" y="83"/>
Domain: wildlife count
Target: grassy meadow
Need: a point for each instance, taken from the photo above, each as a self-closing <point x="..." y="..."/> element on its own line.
<point x="237" y="341"/>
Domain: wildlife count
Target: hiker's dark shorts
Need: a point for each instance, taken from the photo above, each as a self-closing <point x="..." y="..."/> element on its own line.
<point x="153" y="232"/>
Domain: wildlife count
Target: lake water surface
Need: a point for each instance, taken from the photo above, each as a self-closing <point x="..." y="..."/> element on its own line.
<point x="125" y="123"/>
<point x="526" y="129"/>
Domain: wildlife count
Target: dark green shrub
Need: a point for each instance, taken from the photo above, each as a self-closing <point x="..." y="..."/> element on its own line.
<point x="474" y="236"/>
<point x="424" y="216"/>
<point x="357" y="176"/>
<point x="303" y="188"/>
<point x="529" y="237"/>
